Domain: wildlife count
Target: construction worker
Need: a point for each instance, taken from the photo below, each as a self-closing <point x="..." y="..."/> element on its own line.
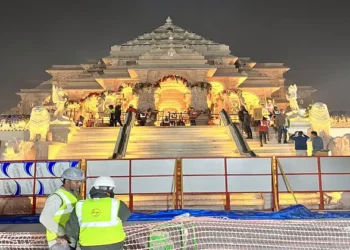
<point x="59" y="206"/>
<point x="97" y="223"/>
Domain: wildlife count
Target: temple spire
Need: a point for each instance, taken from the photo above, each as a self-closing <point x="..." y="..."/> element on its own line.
<point x="168" y="20"/>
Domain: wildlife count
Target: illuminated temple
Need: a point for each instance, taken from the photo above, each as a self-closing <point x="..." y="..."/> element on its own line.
<point x="167" y="69"/>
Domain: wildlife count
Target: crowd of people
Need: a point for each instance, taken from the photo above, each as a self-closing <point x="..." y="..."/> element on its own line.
<point x="149" y="117"/>
<point x="273" y="117"/>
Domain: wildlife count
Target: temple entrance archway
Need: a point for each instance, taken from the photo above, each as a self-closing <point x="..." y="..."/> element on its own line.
<point x="219" y="98"/>
<point x="126" y="97"/>
<point x="251" y="101"/>
<point x="172" y="95"/>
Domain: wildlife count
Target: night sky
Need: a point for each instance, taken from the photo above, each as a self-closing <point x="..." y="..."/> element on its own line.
<point x="310" y="37"/>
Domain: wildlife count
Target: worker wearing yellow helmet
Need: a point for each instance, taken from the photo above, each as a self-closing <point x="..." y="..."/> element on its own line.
<point x="97" y="223"/>
<point x="58" y="208"/>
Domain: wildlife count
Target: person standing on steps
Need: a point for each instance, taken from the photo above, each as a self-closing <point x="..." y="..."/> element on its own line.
<point x="282" y="124"/>
<point x="263" y="129"/>
<point x="112" y="122"/>
<point x="300" y="141"/>
<point x="193" y="114"/>
<point x="58" y="208"/>
<point x="241" y="117"/>
<point x="117" y="115"/>
<point x="247" y="119"/>
<point x="97" y="223"/>
<point x="275" y="112"/>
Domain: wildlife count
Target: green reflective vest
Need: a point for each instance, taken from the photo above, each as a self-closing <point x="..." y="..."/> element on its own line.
<point x="63" y="213"/>
<point x="99" y="222"/>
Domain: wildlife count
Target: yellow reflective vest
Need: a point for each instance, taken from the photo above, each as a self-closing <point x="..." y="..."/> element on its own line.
<point x="99" y="222"/>
<point x="63" y="213"/>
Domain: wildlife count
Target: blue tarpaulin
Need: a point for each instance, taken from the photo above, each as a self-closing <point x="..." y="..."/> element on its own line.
<point x="298" y="212"/>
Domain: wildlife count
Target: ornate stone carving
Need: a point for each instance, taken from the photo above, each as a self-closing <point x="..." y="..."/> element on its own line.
<point x="39" y="123"/>
<point x="59" y="97"/>
<point x="320" y="119"/>
<point x="231" y="103"/>
<point x="90" y="107"/>
<point x="292" y="97"/>
<point x="199" y="98"/>
<point x="146" y="99"/>
<point x="249" y="100"/>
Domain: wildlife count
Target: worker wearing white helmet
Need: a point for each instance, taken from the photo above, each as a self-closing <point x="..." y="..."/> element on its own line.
<point x="97" y="223"/>
<point x="59" y="206"/>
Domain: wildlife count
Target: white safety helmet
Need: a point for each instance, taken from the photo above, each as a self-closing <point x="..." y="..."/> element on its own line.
<point x="104" y="181"/>
<point x="73" y="174"/>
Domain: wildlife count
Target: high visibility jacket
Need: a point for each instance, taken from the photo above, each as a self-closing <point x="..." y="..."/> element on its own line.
<point x="63" y="213"/>
<point x="99" y="222"/>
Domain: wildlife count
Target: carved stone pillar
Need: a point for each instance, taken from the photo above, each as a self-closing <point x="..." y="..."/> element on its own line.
<point x="146" y="99"/>
<point x="199" y="98"/>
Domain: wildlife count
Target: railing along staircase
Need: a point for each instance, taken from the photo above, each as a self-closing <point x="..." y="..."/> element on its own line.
<point x="236" y="135"/>
<point x="123" y="137"/>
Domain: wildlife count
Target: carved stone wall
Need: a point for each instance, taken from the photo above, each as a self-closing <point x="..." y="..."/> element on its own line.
<point x="154" y="75"/>
<point x="199" y="98"/>
<point x="146" y="99"/>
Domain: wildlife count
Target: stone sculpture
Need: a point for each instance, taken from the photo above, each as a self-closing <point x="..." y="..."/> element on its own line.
<point x="292" y="97"/>
<point x="59" y="97"/>
<point x="39" y="123"/>
<point x="320" y="119"/>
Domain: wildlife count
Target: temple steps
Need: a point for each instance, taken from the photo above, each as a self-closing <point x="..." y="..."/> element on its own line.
<point x="183" y="155"/>
<point x="196" y="141"/>
<point x="181" y="146"/>
<point x="91" y="143"/>
<point x="182" y="140"/>
<point x="272" y="148"/>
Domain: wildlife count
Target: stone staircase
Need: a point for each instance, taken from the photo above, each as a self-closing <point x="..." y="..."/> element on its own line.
<point x="272" y="148"/>
<point x="90" y="143"/>
<point x="195" y="141"/>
